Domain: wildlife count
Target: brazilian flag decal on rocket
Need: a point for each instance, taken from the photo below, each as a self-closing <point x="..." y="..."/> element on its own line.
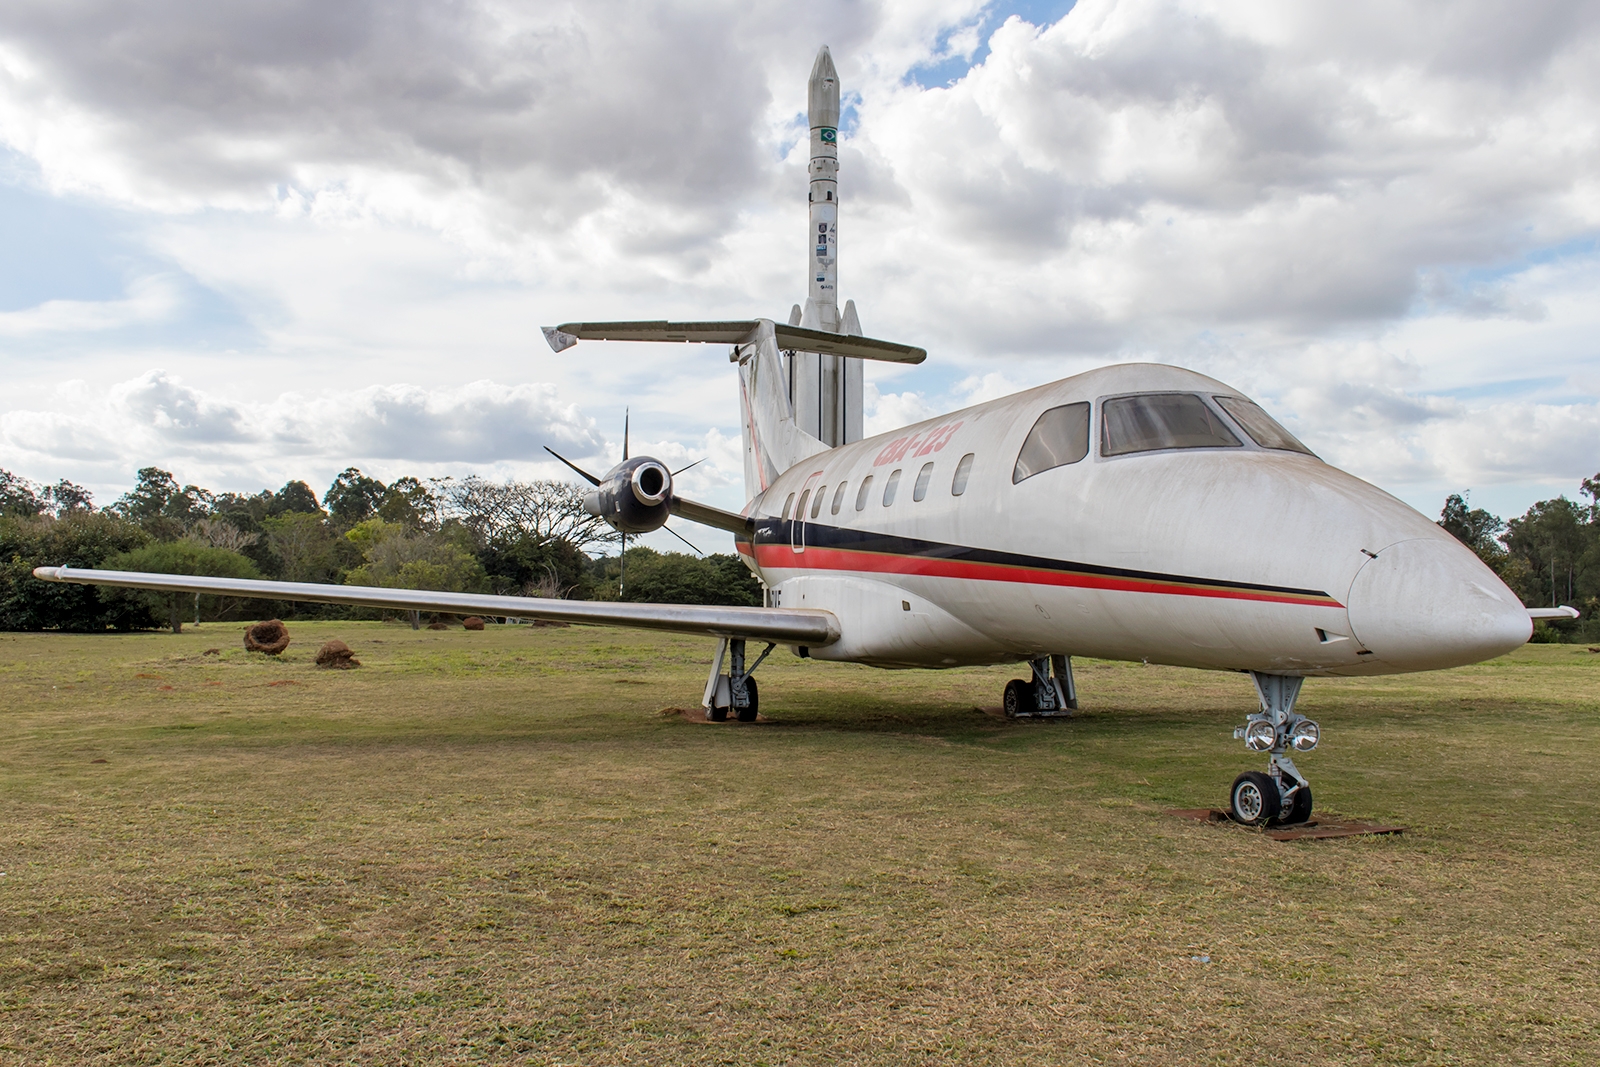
<point x="829" y="135"/>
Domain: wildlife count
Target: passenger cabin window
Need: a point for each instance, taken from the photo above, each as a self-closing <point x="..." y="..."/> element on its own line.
<point x="889" y="487"/>
<point x="924" y="476"/>
<point x="787" y="504"/>
<point x="1061" y="436"/>
<point x="816" y="503"/>
<point x="800" y="508"/>
<point x="1262" y="428"/>
<point x="861" y="494"/>
<point x="958" y="484"/>
<point x="1161" y="420"/>
<point x="838" y="498"/>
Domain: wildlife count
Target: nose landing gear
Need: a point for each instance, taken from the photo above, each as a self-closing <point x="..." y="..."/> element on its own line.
<point x="1281" y="794"/>
<point x="1049" y="693"/>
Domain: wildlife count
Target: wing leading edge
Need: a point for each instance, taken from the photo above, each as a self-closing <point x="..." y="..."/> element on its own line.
<point x="797" y="626"/>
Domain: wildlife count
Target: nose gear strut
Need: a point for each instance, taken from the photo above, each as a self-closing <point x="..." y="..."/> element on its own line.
<point x="1281" y="795"/>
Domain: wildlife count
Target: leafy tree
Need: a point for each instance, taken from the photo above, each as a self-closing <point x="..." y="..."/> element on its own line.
<point x="395" y="557"/>
<point x="158" y="505"/>
<point x="184" y="557"/>
<point x="65" y="496"/>
<point x="294" y="498"/>
<point x="353" y="497"/>
<point x="77" y="539"/>
<point x="541" y="510"/>
<point x="410" y="503"/>
<point x="677" y="578"/>
<point x="1549" y="541"/>
<point x="18" y="497"/>
<point x="1475" y="528"/>
<point x="531" y="567"/>
<point x="304" y="548"/>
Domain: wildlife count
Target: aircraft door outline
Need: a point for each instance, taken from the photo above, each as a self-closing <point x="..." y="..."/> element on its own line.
<point x="797" y="526"/>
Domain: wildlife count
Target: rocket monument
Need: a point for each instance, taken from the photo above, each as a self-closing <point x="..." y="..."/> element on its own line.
<point x="825" y="389"/>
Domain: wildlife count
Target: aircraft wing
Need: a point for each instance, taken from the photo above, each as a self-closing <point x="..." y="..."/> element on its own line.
<point x="795" y="626"/>
<point x="1553" y="613"/>
<point x="737" y="332"/>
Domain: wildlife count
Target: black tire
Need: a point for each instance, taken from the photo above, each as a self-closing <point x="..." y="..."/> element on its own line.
<point x="749" y="714"/>
<point x="1253" y="800"/>
<point x="1019" y="698"/>
<point x="1299" y="807"/>
<point x="716" y="714"/>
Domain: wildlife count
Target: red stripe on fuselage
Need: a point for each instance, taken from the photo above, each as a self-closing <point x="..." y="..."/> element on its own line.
<point x="837" y="559"/>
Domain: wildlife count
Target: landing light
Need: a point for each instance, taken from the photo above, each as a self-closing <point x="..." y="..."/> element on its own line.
<point x="1305" y="735"/>
<point x="1259" y="735"/>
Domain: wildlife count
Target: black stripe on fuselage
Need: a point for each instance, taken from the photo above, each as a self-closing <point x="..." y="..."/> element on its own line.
<point x="771" y="531"/>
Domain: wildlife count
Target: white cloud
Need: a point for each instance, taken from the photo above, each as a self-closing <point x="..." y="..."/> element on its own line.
<point x="149" y="300"/>
<point x="1379" y="218"/>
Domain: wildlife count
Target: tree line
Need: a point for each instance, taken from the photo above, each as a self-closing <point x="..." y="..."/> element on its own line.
<point x="453" y="534"/>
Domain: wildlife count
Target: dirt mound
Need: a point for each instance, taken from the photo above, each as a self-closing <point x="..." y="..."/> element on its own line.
<point x="548" y="622"/>
<point x="271" y="637"/>
<point x="437" y="625"/>
<point x="472" y="622"/>
<point x="336" y="654"/>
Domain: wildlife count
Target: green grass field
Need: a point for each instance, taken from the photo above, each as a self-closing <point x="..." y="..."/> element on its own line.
<point x="493" y="847"/>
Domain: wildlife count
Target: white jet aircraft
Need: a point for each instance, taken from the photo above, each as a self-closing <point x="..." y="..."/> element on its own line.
<point x="1137" y="512"/>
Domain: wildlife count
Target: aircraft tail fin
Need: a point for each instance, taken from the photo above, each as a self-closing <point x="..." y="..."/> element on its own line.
<point x="773" y="439"/>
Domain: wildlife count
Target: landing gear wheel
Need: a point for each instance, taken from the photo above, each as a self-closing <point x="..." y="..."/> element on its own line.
<point x="1299" y="807"/>
<point x="1254" y="800"/>
<point x="1018" y="698"/>
<point x="749" y="714"/>
<point x="716" y="714"/>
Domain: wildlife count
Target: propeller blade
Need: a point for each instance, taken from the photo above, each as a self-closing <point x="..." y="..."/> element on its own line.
<point x="624" y="435"/>
<point x="591" y="478"/>
<point x="696" y="463"/>
<point x="682" y="538"/>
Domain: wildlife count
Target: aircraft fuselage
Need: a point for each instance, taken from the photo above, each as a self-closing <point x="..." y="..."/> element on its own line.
<point x="1229" y="558"/>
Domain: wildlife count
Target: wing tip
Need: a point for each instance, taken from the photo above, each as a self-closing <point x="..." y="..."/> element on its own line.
<point x="558" y="339"/>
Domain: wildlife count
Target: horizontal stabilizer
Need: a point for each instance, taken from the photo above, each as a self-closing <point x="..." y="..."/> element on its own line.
<point x="1553" y="613"/>
<point x="733" y="333"/>
<point x="798" y="626"/>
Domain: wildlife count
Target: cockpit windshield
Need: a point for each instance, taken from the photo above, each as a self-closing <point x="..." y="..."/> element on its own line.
<point x="1263" y="428"/>
<point x="1152" y="421"/>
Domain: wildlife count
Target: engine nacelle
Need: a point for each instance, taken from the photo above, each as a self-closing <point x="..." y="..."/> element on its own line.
<point x="635" y="496"/>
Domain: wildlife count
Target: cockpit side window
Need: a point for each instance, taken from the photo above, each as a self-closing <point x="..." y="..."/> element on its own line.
<point x="1262" y="428"/>
<point x="1060" y="436"/>
<point x="1152" y="421"/>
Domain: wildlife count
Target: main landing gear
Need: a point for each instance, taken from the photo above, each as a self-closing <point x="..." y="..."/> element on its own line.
<point x="1280" y="794"/>
<point x="736" y="690"/>
<point x="1048" y="694"/>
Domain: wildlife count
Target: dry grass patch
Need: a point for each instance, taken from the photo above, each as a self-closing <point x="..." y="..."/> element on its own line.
<point x="492" y="847"/>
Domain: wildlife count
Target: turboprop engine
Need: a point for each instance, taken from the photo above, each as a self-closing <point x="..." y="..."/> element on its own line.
<point x="635" y="496"/>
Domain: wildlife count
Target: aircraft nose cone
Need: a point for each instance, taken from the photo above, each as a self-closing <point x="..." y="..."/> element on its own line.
<point x="1425" y="604"/>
